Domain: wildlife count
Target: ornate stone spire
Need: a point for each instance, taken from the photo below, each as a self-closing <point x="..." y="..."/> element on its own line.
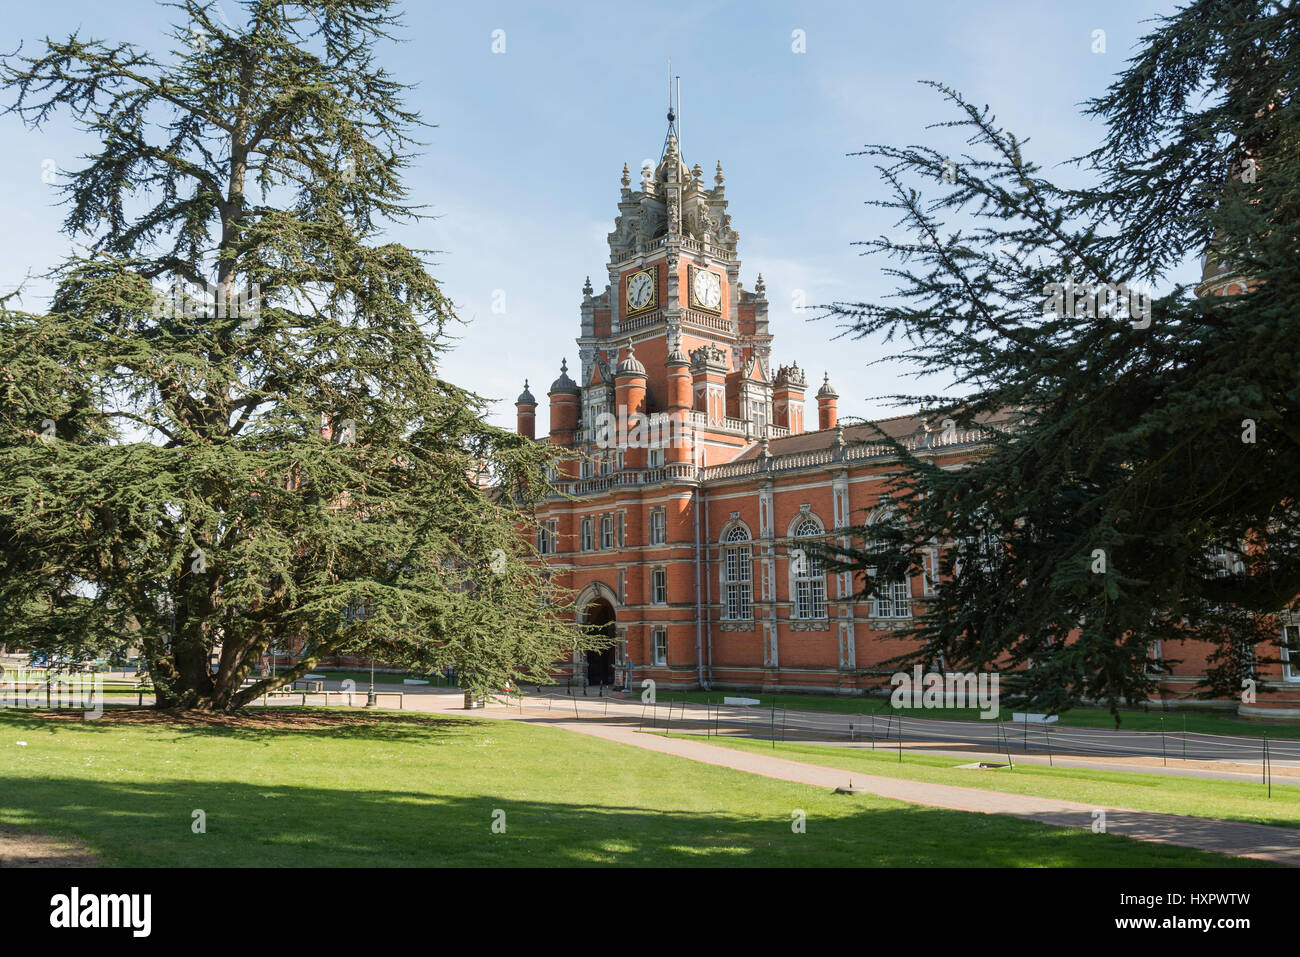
<point x="627" y="179"/>
<point x="718" y="177"/>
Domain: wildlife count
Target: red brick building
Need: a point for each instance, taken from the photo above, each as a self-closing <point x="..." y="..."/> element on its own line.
<point x="704" y="464"/>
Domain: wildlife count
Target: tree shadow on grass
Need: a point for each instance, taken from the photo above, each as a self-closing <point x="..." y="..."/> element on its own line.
<point x="245" y="724"/>
<point x="247" y="824"/>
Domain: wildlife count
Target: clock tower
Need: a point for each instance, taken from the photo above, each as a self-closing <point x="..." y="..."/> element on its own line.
<point x="674" y="291"/>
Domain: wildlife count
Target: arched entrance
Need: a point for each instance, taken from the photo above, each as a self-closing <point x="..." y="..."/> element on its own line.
<point x="600" y="664"/>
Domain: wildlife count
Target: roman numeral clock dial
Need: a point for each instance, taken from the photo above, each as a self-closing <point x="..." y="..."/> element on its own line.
<point x="706" y="290"/>
<point x="640" y="292"/>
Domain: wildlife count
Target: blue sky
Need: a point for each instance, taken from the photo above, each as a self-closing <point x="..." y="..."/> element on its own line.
<point x="522" y="168"/>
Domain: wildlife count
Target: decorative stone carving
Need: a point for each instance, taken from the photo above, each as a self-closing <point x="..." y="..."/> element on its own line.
<point x="708" y="355"/>
<point x="791" y="375"/>
<point x="815" y="624"/>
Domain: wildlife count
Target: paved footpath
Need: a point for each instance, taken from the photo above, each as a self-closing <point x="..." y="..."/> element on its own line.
<point x="1276" y="844"/>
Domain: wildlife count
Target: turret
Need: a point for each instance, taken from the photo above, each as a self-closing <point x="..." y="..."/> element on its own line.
<point x="526" y="413"/>
<point x="629" y="393"/>
<point x="564" y="414"/>
<point x="826" y="400"/>
<point x="679" y="405"/>
<point x="787" y="398"/>
<point x="709" y="382"/>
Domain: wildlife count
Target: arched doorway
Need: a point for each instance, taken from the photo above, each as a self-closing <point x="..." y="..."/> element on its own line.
<point x="600" y="664"/>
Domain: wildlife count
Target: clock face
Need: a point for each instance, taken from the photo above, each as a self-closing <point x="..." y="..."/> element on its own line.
<point x="706" y="289"/>
<point x="640" y="292"/>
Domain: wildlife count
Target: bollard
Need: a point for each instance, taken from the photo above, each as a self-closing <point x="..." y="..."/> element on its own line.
<point x="1268" y="764"/>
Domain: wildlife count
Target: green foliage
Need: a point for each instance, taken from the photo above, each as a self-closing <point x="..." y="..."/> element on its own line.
<point x="253" y="448"/>
<point x="1113" y="437"/>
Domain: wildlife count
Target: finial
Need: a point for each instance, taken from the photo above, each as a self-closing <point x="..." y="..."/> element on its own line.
<point x="758" y="285"/>
<point x="564" y="366"/>
<point x="696" y="172"/>
<point x="627" y="179"/>
<point x="525" y="385"/>
<point x="718" y="177"/>
<point x="586" y="287"/>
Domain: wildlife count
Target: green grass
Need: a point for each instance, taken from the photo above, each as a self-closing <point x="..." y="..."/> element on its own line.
<point x="404" y="790"/>
<point x="1199" y="797"/>
<point x="1131" y="720"/>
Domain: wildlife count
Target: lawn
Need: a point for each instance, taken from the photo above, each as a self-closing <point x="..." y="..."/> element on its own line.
<point x="1199" y="797"/>
<point x="1130" y="720"/>
<point x="308" y="787"/>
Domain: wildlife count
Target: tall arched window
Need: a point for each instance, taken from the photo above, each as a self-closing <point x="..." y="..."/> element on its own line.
<point x="892" y="597"/>
<point x="737" y="570"/>
<point x="809" y="576"/>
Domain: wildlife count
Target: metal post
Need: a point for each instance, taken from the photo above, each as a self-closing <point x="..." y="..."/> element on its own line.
<point x="370" y="695"/>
